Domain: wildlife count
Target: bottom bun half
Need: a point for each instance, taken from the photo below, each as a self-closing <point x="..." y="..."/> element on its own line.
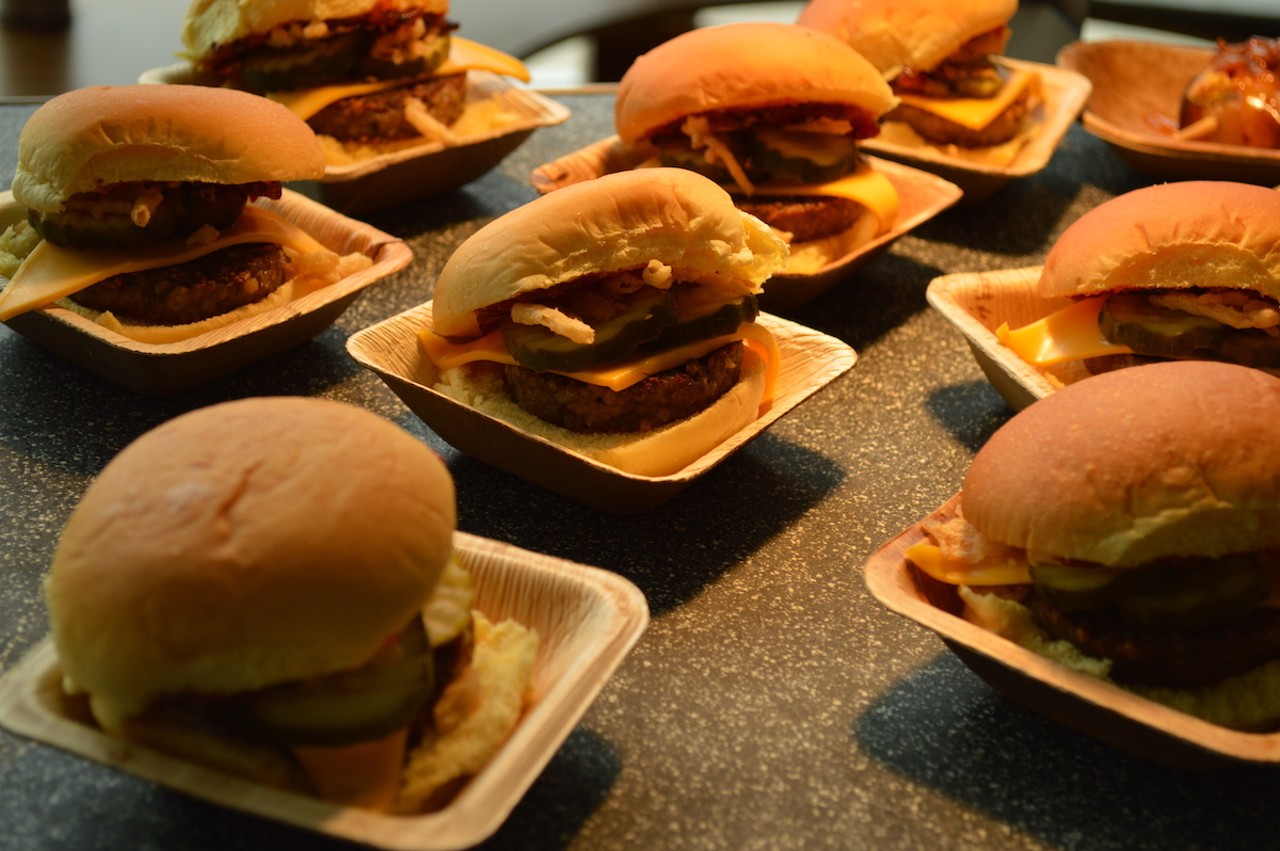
<point x="1248" y="701"/>
<point x="660" y="452"/>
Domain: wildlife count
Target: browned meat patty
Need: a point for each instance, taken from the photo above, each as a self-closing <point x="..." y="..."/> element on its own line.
<point x="1176" y="658"/>
<point x="649" y="404"/>
<point x="940" y="131"/>
<point x="189" y="292"/>
<point x="380" y="116"/>
<point x="805" y="218"/>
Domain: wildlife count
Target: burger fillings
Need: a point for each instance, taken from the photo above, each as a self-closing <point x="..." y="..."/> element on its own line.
<point x="1235" y="100"/>
<point x="774" y="113"/>
<point x="1180" y="270"/>
<point x="1129" y="527"/>
<point x="139" y="214"/>
<point x="256" y="586"/>
<point x="939" y="59"/>
<point x="614" y="317"/>
<point x="369" y="76"/>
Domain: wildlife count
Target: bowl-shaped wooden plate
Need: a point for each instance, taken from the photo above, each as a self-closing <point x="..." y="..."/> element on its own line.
<point x="1063" y="96"/>
<point x="587" y="621"/>
<point x="1137" y="93"/>
<point x="921" y="196"/>
<point x="979" y="303"/>
<point x="1083" y="703"/>
<point x="432" y="168"/>
<point x="390" y="348"/>
<point x="158" y="369"/>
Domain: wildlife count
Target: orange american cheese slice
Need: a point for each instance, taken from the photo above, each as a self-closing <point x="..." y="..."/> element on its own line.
<point x="977" y="113"/>
<point x="1071" y="333"/>
<point x="464" y="55"/>
<point x="446" y="354"/>
<point x="956" y="571"/>
<point x="865" y="185"/>
<point x="52" y="271"/>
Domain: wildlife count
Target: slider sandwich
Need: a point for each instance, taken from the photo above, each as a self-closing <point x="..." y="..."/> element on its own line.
<point x="263" y="587"/>
<point x="940" y="59"/>
<point x="1128" y="527"/>
<point x="774" y="113"/>
<point x="139" y="210"/>
<point x="614" y="317"/>
<point x="1187" y="270"/>
<point x="1235" y="100"/>
<point x="369" y="76"/>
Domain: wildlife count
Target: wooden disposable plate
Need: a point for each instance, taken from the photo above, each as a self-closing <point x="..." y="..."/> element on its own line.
<point x="157" y="369"/>
<point x="390" y="348"/>
<point x="411" y="174"/>
<point x="587" y="621"/>
<point x="1063" y="93"/>
<point x="1086" y="704"/>
<point x="977" y="304"/>
<point x="1137" y="93"/>
<point x="921" y="196"/>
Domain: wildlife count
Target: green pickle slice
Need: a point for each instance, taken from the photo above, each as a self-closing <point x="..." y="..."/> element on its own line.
<point x="804" y="157"/>
<point x="1180" y="597"/>
<point x="1133" y="321"/>
<point x="346" y="707"/>
<point x="541" y="349"/>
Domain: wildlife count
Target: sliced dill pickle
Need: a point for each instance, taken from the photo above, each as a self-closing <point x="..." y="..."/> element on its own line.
<point x="687" y="158"/>
<point x="540" y="349"/>
<point x="722" y="320"/>
<point x="1133" y="321"/>
<point x="315" y="63"/>
<point x="1196" y="597"/>
<point x="1161" y="332"/>
<point x="82" y="230"/>
<point x="1250" y="347"/>
<point x="383" y="69"/>
<point x="346" y="707"/>
<point x="803" y="157"/>
<point x="1076" y="588"/>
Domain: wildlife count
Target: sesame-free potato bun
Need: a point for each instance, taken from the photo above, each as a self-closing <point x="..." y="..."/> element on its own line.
<point x="243" y="545"/>
<point x="615" y="317"/>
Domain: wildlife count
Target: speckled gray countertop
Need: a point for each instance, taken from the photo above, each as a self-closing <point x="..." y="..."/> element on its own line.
<point x="772" y="703"/>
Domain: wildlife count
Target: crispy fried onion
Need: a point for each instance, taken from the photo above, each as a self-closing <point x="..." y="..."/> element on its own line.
<point x="417" y="114"/>
<point x="557" y="321"/>
<point x="1236" y="308"/>
<point x="698" y="129"/>
<point x="475" y="714"/>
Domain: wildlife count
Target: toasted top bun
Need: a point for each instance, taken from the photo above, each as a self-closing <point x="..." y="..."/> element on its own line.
<point x="624" y="220"/>
<point x="899" y="34"/>
<point x="743" y="65"/>
<point x="243" y="545"/>
<point x="89" y="138"/>
<point x="1171" y="236"/>
<point x="210" y="23"/>
<point x="1180" y="458"/>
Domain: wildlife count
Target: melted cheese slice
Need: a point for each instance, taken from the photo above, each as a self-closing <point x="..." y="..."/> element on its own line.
<point x="1071" y="333"/>
<point x="977" y="113"/>
<point x="52" y="271"/>
<point x="464" y="55"/>
<point x="956" y="571"/>
<point x="866" y="186"/>
<point x="446" y="354"/>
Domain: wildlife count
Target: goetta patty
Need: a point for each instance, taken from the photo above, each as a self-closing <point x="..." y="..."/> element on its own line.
<point x="649" y="404"/>
<point x="190" y="292"/>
